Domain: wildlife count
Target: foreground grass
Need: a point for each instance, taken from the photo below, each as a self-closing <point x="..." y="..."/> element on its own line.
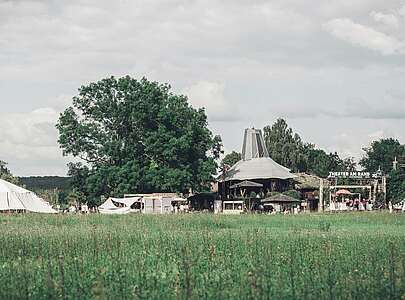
<point x="343" y="256"/>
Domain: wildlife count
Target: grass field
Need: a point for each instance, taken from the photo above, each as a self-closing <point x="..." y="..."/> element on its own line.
<point x="343" y="256"/>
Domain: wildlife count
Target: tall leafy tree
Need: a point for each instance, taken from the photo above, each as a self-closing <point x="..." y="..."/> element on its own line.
<point x="321" y="163"/>
<point x="6" y="174"/>
<point x="285" y="146"/>
<point x="136" y="136"/>
<point x="396" y="186"/>
<point x="231" y="158"/>
<point x="381" y="154"/>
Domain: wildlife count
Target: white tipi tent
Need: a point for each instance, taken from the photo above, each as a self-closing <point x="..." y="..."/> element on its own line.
<point x="13" y="198"/>
<point x="109" y="207"/>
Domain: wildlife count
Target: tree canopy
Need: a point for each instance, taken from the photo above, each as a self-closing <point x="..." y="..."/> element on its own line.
<point x="381" y="154"/>
<point x="285" y="146"/>
<point x="136" y="136"/>
<point x="288" y="149"/>
<point x="6" y="174"/>
<point x="396" y="185"/>
<point x="231" y="158"/>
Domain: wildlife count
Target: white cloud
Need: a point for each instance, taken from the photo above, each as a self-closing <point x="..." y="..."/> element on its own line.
<point x="247" y="62"/>
<point x="210" y="95"/>
<point x="387" y="19"/>
<point x="28" y="142"/>
<point x="363" y="36"/>
<point x="401" y="11"/>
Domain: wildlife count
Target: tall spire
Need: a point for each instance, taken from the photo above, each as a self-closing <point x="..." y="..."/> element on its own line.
<point x="253" y="144"/>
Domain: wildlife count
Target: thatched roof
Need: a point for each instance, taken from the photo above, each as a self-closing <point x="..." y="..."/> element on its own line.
<point x="280" y="198"/>
<point x="306" y="181"/>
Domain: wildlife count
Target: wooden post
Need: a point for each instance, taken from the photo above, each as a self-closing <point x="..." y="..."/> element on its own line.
<point x="384" y="183"/>
<point x="375" y="190"/>
<point x="321" y="204"/>
<point x="330" y="196"/>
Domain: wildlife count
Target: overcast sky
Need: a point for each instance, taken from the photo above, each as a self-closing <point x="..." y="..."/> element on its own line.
<point x="334" y="69"/>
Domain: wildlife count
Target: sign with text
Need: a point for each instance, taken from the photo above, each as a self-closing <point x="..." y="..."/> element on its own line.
<point x="354" y="175"/>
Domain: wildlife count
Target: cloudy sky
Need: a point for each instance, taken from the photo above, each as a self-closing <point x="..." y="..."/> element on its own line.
<point x="334" y="69"/>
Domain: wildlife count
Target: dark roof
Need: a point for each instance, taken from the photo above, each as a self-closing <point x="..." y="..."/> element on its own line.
<point x="280" y="198"/>
<point x="202" y="196"/>
<point x="246" y="183"/>
<point x="307" y="181"/>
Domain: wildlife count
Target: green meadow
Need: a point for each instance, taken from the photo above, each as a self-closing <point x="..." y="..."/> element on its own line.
<point x="199" y="256"/>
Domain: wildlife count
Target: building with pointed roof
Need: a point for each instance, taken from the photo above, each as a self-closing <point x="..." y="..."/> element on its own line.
<point x="256" y="166"/>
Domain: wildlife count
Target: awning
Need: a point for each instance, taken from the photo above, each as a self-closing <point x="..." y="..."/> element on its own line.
<point x="343" y="192"/>
<point x="246" y="184"/>
<point x="280" y="199"/>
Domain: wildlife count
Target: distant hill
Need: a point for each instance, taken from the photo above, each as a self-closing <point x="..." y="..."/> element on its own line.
<point x="46" y="182"/>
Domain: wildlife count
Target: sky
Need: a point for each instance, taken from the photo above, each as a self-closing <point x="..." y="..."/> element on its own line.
<point x="335" y="70"/>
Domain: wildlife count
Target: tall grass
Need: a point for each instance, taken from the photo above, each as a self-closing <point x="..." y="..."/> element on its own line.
<point x="344" y="256"/>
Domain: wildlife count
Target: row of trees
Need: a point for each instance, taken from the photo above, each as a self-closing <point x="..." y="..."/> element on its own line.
<point x="136" y="135"/>
<point x="288" y="149"/>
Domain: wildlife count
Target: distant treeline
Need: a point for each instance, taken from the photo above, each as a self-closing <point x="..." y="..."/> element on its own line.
<point x="46" y="182"/>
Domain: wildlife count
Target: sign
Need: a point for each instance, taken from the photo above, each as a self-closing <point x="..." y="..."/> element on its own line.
<point x="354" y="175"/>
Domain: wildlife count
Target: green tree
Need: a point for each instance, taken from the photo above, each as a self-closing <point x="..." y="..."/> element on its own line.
<point x="231" y="158"/>
<point x="136" y="136"/>
<point x="285" y="146"/>
<point x="396" y="186"/>
<point x="5" y="173"/>
<point x="74" y="197"/>
<point x="288" y="149"/>
<point x="381" y="154"/>
<point x="321" y="163"/>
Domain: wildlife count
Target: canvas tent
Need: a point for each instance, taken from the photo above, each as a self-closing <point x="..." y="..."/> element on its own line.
<point x="15" y="198"/>
<point x="258" y="168"/>
<point x="256" y="162"/>
<point x="117" y="206"/>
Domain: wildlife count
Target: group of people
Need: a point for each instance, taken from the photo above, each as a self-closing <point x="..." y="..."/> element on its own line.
<point x="73" y="209"/>
<point x="398" y="207"/>
<point x="349" y="204"/>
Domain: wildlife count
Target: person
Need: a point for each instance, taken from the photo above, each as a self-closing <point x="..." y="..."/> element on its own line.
<point x="85" y="209"/>
<point x="390" y="206"/>
<point x="332" y="206"/>
<point x="361" y="206"/>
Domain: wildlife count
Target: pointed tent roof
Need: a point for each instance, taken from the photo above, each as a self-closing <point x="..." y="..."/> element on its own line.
<point x="258" y="168"/>
<point x="253" y="144"/>
<point x="256" y="163"/>
<point x="13" y="197"/>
